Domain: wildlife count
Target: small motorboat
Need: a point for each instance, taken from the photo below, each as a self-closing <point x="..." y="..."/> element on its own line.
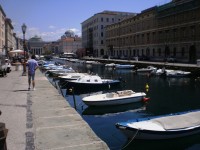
<point x="147" y="70"/>
<point x="178" y="73"/>
<point x="114" y="98"/>
<point x="63" y="79"/>
<point x="124" y="66"/>
<point x="162" y="127"/>
<point x="172" y="73"/>
<point x="110" y="65"/>
<point x="92" y="83"/>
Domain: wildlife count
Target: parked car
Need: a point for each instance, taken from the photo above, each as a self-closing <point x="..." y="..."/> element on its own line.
<point x="8" y="65"/>
<point x="3" y="67"/>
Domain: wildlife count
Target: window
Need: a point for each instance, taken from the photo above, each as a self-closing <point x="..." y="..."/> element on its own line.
<point x="159" y="52"/>
<point x="174" y="52"/>
<point x="101" y="26"/>
<point x="113" y="20"/>
<point x="88" y="80"/>
<point x="101" y="41"/>
<point x="107" y="19"/>
<point x="101" y="34"/>
<point x="101" y="19"/>
<point x="183" y="51"/>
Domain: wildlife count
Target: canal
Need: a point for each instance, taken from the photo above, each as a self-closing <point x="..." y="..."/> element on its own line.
<point x="167" y="95"/>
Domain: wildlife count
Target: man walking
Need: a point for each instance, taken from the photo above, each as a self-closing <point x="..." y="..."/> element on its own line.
<point x="32" y="66"/>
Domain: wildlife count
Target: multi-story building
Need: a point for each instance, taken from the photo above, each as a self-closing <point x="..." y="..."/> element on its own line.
<point x="125" y="38"/>
<point x="69" y="42"/>
<point x="2" y="29"/>
<point x="9" y="38"/>
<point x="51" y="48"/>
<point x="169" y="30"/>
<point x="93" y="31"/>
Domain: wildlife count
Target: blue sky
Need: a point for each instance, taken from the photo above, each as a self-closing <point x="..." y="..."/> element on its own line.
<point x="49" y="19"/>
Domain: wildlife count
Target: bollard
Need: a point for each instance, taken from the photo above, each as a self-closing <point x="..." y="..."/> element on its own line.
<point x="3" y="135"/>
<point x="72" y="90"/>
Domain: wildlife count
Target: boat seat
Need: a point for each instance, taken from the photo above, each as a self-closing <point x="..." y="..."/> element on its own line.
<point x="109" y="95"/>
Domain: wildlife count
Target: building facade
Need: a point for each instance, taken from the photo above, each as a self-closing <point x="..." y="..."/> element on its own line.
<point x="36" y="45"/>
<point x="69" y="42"/>
<point x="2" y="30"/>
<point x="9" y="38"/>
<point x="169" y="30"/>
<point x="51" y="48"/>
<point x="93" y="31"/>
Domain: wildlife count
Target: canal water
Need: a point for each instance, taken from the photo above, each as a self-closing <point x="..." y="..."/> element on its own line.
<point x="167" y="95"/>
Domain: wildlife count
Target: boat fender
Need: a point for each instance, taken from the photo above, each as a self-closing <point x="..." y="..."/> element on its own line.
<point x="146" y="99"/>
<point x="146" y="86"/>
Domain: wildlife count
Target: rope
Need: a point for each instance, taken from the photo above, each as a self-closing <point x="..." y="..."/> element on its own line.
<point x="131" y="139"/>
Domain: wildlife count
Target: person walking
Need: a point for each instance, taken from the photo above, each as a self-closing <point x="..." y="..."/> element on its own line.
<point x="32" y="67"/>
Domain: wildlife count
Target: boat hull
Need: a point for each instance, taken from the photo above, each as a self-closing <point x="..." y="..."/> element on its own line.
<point x="156" y="135"/>
<point x="162" y="127"/>
<point x="124" y="66"/>
<point x="90" y="87"/>
<point x="103" y="102"/>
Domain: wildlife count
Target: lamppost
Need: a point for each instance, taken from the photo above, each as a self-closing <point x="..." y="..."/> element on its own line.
<point x="24" y="46"/>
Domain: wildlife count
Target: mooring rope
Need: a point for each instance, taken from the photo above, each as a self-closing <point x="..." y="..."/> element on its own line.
<point x="131" y="139"/>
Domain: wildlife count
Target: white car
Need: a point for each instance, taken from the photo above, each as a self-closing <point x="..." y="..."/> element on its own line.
<point x="8" y="65"/>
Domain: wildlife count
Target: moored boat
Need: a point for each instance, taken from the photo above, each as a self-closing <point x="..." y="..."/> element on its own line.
<point x="114" y="98"/>
<point x="110" y="65"/>
<point x="124" y="66"/>
<point x="162" y="127"/>
<point x="148" y="69"/>
<point x="92" y="83"/>
<point x="63" y="80"/>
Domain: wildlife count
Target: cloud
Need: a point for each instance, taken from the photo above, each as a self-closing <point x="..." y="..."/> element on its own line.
<point x="49" y="35"/>
<point x="52" y="27"/>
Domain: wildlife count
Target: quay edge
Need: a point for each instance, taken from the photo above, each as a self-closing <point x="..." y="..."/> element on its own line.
<point x="193" y="68"/>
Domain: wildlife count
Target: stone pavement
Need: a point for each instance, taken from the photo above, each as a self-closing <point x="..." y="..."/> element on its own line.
<point x="42" y="119"/>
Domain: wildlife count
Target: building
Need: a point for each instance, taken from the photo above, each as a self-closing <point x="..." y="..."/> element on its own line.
<point x="51" y="48"/>
<point x="36" y="45"/>
<point x="157" y="33"/>
<point x="2" y="30"/>
<point x="93" y="31"/>
<point x="9" y="38"/>
<point x="69" y="42"/>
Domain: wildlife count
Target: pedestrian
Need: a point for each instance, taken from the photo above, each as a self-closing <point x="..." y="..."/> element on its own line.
<point x="32" y="66"/>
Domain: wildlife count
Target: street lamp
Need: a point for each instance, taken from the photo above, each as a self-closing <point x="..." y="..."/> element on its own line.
<point x="24" y="46"/>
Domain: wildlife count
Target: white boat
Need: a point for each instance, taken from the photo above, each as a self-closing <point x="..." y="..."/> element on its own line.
<point x="162" y="127"/>
<point x="92" y="62"/>
<point x="91" y="83"/>
<point x="72" y="76"/>
<point x="124" y="66"/>
<point x="148" y="69"/>
<point x="63" y="79"/>
<point x="114" y="98"/>
<point x="172" y="73"/>
<point x="110" y="65"/>
<point x="177" y="73"/>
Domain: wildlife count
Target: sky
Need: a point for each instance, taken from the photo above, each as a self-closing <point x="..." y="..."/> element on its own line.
<point x="50" y="19"/>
